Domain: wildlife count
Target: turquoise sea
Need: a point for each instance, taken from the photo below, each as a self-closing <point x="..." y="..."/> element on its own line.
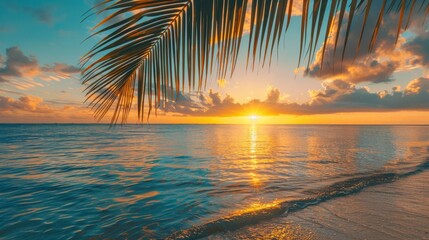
<point x="207" y="181"/>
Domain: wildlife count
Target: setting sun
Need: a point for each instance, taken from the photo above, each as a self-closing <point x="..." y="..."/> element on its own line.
<point x="253" y="117"/>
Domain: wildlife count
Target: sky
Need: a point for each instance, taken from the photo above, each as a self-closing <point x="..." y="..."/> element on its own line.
<point x="41" y="43"/>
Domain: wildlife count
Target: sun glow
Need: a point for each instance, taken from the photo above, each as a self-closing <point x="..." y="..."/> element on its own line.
<point x="253" y="117"/>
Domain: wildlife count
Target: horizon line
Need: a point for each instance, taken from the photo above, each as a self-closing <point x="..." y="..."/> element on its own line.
<point x="290" y="124"/>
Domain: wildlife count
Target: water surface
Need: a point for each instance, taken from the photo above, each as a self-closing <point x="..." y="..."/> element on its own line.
<point x="152" y="181"/>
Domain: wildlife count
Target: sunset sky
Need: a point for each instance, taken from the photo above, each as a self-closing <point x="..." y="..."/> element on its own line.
<point x="41" y="43"/>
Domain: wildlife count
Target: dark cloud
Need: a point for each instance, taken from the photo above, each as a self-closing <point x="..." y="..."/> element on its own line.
<point x="17" y="66"/>
<point x="183" y="103"/>
<point x="419" y="47"/>
<point x="349" y="98"/>
<point x="336" y="96"/>
<point x="360" y="66"/>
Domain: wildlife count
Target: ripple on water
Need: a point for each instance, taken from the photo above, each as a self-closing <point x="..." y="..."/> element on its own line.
<point x="89" y="181"/>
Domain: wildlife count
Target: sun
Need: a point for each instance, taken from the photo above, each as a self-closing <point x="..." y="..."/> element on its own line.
<point x="253" y="117"/>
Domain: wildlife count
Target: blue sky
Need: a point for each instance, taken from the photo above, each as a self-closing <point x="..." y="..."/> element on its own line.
<point x="50" y="30"/>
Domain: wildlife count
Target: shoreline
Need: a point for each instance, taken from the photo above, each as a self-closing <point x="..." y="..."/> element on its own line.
<point x="395" y="210"/>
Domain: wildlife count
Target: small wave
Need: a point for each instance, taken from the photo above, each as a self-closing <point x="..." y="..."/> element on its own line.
<point x="316" y="196"/>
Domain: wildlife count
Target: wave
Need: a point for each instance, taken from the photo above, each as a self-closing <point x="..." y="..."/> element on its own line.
<point x="316" y="196"/>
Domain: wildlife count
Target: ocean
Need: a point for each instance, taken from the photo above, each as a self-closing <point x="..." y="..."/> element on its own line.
<point x="212" y="181"/>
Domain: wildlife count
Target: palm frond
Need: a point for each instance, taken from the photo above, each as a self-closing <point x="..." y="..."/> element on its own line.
<point x="155" y="46"/>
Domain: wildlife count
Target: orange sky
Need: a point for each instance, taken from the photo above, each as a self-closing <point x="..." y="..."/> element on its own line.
<point x="84" y="115"/>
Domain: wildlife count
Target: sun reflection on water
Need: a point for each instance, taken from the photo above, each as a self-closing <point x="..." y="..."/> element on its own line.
<point x="256" y="181"/>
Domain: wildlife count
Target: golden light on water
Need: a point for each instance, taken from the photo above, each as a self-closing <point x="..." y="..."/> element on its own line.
<point x="254" y="161"/>
<point x="257" y="206"/>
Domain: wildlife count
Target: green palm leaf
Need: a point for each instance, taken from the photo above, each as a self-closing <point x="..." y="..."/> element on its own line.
<point x="158" y="47"/>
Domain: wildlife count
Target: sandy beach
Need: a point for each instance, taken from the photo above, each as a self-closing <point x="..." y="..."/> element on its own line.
<point x="396" y="210"/>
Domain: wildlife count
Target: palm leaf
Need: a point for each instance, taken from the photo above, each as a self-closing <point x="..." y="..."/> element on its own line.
<point x="154" y="48"/>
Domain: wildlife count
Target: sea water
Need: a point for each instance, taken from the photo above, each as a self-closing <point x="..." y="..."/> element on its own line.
<point x="190" y="181"/>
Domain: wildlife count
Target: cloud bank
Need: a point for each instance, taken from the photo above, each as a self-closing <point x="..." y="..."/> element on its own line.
<point x="25" y="103"/>
<point x="336" y="96"/>
<point x="20" y="70"/>
<point x="30" y="109"/>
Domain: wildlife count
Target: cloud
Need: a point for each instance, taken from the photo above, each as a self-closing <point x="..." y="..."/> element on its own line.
<point x="25" y="103"/>
<point x="18" y="65"/>
<point x="32" y="109"/>
<point x="60" y="71"/>
<point x="387" y="56"/>
<point x="336" y="96"/>
<point x="418" y="86"/>
<point x="20" y="70"/>
<point x="419" y="47"/>
<point x="273" y="95"/>
<point x="340" y="96"/>
<point x="43" y="15"/>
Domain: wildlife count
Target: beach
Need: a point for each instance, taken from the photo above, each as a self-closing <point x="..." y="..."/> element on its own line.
<point x="397" y="210"/>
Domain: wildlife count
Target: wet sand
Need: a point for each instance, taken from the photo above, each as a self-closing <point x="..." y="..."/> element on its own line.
<point x="397" y="210"/>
